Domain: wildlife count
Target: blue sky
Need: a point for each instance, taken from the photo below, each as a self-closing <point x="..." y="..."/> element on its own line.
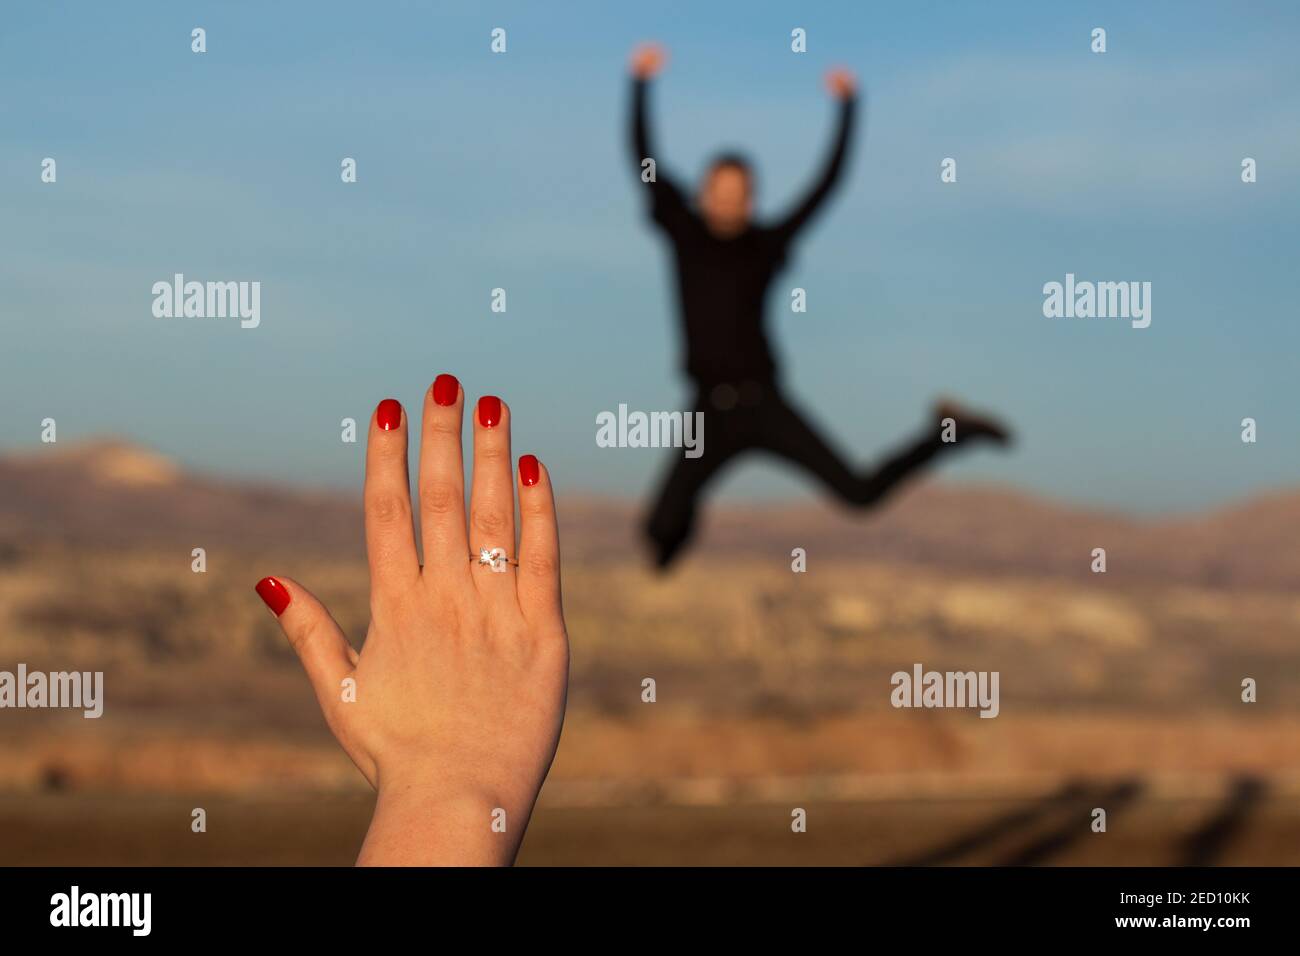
<point x="479" y="170"/>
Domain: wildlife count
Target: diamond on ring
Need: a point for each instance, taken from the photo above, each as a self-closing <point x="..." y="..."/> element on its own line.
<point x="495" y="558"/>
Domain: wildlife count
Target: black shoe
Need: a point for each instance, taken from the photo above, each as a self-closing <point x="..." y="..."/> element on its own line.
<point x="662" y="552"/>
<point x="971" y="425"/>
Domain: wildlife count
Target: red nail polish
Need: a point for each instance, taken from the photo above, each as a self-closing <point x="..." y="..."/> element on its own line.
<point x="489" y="411"/>
<point x="275" y="594"/>
<point x="529" y="473"/>
<point x="445" y="389"/>
<point x="389" y="414"/>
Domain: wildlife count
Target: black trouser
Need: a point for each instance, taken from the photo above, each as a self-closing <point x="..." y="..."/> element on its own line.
<point x="754" y="416"/>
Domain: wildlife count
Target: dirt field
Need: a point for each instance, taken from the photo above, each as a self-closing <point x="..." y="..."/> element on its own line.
<point x="1121" y="691"/>
<point x="1240" y="827"/>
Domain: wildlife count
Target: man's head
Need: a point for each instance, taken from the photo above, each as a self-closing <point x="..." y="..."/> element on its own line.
<point x="726" y="197"/>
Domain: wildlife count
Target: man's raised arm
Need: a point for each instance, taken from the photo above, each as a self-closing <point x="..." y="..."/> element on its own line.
<point x="647" y="61"/>
<point x="842" y="87"/>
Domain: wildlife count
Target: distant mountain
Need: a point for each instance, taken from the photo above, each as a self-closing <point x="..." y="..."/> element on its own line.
<point x="110" y="493"/>
<point x="1253" y="543"/>
<point x="114" y="494"/>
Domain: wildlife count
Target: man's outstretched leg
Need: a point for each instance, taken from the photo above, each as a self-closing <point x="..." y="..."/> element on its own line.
<point x="672" y="519"/>
<point x="787" y="434"/>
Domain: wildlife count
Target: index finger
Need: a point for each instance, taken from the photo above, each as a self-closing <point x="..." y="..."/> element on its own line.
<point x="390" y="535"/>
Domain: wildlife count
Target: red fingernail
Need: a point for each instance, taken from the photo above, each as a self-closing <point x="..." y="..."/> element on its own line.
<point x="275" y="594"/>
<point x="489" y="411"/>
<point x="445" y="389"/>
<point x="389" y="414"/>
<point x="528" y="471"/>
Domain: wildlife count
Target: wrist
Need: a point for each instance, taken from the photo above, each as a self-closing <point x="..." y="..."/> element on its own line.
<point x="424" y="821"/>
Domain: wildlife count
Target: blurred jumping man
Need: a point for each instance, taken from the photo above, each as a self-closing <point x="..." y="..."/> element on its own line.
<point x="725" y="263"/>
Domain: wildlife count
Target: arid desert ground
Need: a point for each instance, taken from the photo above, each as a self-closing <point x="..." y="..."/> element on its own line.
<point x="1119" y="690"/>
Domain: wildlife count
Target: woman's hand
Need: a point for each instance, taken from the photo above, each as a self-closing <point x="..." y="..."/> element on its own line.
<point x="453" y="708"/>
